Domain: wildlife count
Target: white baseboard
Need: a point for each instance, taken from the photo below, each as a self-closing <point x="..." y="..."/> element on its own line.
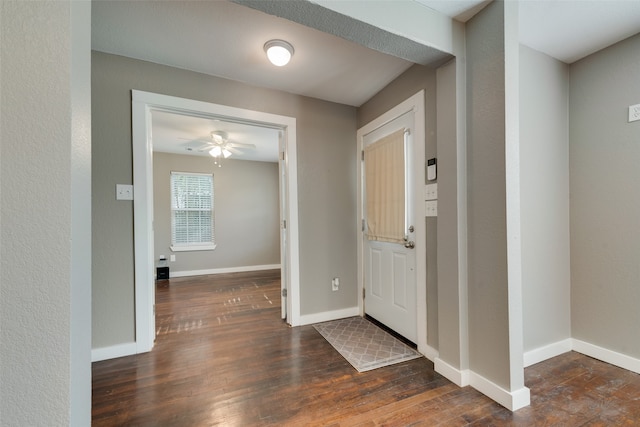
<point x="608" y="356"/>
<point x="114" y="351"/>
<point x="455" y="375"/>
<point x="224" y="270"/>
<point x="513" y="400"/>
<point x="429" y="352"/>
<point x="462" y="378"/>
<point x="547" y="352"/>
<point x="326" y="316"/>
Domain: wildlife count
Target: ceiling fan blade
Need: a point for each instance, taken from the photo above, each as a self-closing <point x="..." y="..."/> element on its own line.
<point x="233" y="150"/>
<point x="207" y="140"/>
<point x="240" y="145"/>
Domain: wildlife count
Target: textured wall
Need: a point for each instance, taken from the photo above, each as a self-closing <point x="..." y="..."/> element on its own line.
<point x="326" y="185"/>
<point x="544" y="150"/>
<point x="486" y="176"/>
<point x="42" y="381"/>
<point x="605" y="202"/>
<point x="449" y="310"/>
<point x="246" y="209"/>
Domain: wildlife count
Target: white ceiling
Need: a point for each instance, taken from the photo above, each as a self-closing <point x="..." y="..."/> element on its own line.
<point x="180" y="134"/>
<point x="569" y="30"/>
<point x="226" y="39"/>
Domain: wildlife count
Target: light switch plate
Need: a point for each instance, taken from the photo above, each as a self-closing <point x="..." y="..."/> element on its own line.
<point x="431" y="208"/>
<point x="124" y="192"/>
<point x="431" y="191"/>
<point x="634" y="113"/>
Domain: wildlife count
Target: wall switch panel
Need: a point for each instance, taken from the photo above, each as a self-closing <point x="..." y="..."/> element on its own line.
<point x="634" y="113"/>
<point x="431" y="208"/>
<point x="431" y="191"/>
<point x="124" y="192"/>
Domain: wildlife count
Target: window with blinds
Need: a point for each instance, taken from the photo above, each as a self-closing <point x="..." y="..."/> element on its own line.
<point x="192" y="219"/>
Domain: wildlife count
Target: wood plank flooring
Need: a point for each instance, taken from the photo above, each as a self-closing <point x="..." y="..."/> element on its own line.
<point x="223" y="357"/>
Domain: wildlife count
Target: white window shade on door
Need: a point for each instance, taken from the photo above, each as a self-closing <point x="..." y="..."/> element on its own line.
<point x="385" y="188"/>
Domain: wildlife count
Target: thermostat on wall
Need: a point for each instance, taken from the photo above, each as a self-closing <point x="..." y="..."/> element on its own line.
<point x="431" y="169"/>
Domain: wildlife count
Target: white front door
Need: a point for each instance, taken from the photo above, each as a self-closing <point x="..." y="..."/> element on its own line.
<point x="389" y="226"/>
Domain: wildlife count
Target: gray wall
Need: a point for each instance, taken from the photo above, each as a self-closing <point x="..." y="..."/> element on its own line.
<point x="246" y="212"/>
<point x="45" y="370"/>
<point x="326" y="185"/>
<point x="604" y="152"/>
<point x="486" y="173"/>
<point x="416" y="78"/>
<point x="544" y="150"/>
<point x="449" y="290"/>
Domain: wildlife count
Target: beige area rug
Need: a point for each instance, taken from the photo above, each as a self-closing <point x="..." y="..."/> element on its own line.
<point x="365" y="345"/>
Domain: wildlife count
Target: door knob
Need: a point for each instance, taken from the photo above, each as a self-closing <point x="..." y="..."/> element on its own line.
<point x="410" y="244"/>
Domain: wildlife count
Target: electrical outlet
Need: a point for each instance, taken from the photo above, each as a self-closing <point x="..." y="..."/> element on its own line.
<point x="634" y="113"/>
<point x="335" y="284"/>
<point x="172" y="258"/>
<point x="124" y="192"/>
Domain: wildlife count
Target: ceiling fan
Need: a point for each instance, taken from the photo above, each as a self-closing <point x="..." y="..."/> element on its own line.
<point x="219" y="146"/>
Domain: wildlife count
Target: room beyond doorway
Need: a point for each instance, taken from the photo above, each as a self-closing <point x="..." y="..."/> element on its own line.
<point x="200" y="235"/>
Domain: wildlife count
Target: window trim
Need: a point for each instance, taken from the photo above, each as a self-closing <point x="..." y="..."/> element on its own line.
<point x="198" y="246"/>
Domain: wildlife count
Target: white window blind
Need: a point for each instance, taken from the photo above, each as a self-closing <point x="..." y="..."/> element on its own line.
<point x="192" y="219"/>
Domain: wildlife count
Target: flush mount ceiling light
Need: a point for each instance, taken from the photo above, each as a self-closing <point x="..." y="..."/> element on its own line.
<point x="279" y="52"/>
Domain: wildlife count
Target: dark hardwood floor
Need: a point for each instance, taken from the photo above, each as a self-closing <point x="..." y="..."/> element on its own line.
<point x="223" y="357"/>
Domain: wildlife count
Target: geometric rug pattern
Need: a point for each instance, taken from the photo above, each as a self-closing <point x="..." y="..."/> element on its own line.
<point x="363" y="344"/>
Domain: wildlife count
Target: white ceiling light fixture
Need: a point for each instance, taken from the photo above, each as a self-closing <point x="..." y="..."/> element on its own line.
<point x="220" y="148"/>
<point x="215" y="152"/>
<point x="279" y="52"/>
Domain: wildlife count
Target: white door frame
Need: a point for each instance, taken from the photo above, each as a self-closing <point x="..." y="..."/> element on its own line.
<point x="414" y="104"/>
<point x="143" y="103"/>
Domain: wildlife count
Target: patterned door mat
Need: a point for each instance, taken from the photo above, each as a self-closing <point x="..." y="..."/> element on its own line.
<point x="365" y="345"/>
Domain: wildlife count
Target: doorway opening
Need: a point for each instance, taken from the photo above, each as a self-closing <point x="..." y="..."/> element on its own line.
<point x="143" y="105"/>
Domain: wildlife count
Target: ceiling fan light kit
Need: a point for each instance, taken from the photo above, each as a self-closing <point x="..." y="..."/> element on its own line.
<point x="220" y="147"/>
<point x="216" y="151"/>
<point x="279" y="52"/>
